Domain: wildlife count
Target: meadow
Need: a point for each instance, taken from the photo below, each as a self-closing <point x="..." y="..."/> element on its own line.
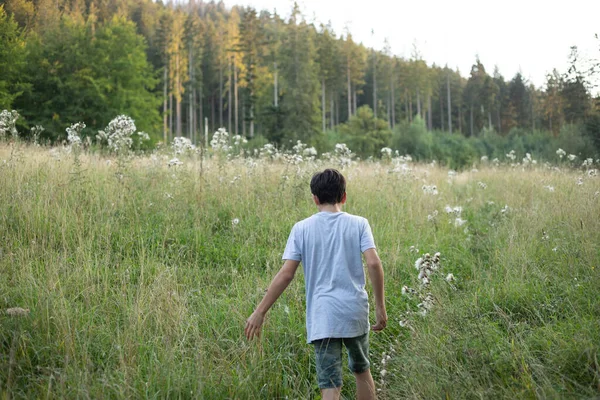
<point x="134" y="275"/>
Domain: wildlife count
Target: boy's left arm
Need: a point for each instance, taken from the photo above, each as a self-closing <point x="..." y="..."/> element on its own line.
<point x="278" y="285"/>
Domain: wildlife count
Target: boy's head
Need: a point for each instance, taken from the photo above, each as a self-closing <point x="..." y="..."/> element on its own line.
<point x="329" y="186"/>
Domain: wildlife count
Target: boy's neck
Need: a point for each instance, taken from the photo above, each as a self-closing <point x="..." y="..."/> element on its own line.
<point x="332" y="208"/>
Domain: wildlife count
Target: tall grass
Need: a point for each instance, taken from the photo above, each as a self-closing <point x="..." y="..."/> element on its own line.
<point x="139" y="286"/>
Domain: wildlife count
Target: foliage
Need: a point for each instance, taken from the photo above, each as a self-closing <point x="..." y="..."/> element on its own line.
<point x="89" y="75"/>
<point x="12" y="60"/>
<point x="365" y="133"/>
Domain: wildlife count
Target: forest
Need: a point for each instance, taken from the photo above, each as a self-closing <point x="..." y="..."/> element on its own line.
<point x="186" y="68"/>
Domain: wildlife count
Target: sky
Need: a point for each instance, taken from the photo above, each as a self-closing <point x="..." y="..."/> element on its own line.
<point x="529" y="36"/>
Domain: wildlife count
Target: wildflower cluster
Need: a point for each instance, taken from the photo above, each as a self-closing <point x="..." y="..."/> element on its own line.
<point x="386" y="153"/>
<point x="74" y="134"/>
<point x="456" y="212"/>
<point x="511" y="155"/>
<point x="528" y="160"/>
<point x="343" y="154"/>
<point x="427" y="266"/>
<point x="8" y="119"/>
<point x="430" y="189"/>
<point x="561" y="153"/>
<point x="36" y="131"/>
<point x="220" y="141"/>
<point x="268" y="151"/>
<point x="182" y="145"/>
<point x="118" y="134"/>
<point x="401" y="163"/>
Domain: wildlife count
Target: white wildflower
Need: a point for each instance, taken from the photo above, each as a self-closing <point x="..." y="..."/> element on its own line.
<point x="572" y="157"/>
<point x="430" y="189"/>
<point x="504" y="209"/>
<point x="450" y="278"/>
<point x="418" y="263"/>
<point x="182" y="145"/>
<point x="484" y="159"/>
<point x="482" y="185"/>
<point x="459" y="222"/>
<point x="549" y="188"/>
<point x="545" y="235"/>
<point x="431" y="217"/>
<point x="235" y="221"/>
<point x="386" y="152"/>
<point x="561" y="153"/>
<point x="555" y="249"/>
<point x="592" y="172"/>
<point x="511" y="155"/>
<point x="310" y="152"/>
<point x="220" y="141"/>
<point x="579" y="181"/>
<point x="174" y="162"/>
<point x="8" y="121"/>
<point x="413" y="249"/>
<point x="74" y="132"/>
<point x="117" y="135"/>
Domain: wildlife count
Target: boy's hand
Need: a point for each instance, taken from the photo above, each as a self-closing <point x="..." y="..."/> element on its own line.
<point x="254" y="324"/>
<point x="381" y="322"/>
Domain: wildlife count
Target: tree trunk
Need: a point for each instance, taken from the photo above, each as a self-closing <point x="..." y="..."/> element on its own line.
<point x="449" y="103"/>
<point x="499" y="120"/>
<point x="275" y="86"/>
<point x="236" y="99"/>
<point x="200" y="110"/>
<point x="419" y="104"/>
<point x="410" y="109"/>
<point x="178" y="98"/>
<point x="337" y="110"/>
<point x="442" y="117"/>
<point x="220" y="94"/>
<point x="243" y="116"/>
<point x="331" y="110"/>
<point x="170" y="116"/>
<point x="471" y="120"/>
<point x="374" y="84"/>
<point x="165" y="100"/>
<point x="213" y="113"/>
<point x="355" y="101"/>
<point x="191" y="95"/>
<point x="349" y="93"/>
<point x="229" y="89"/>
<point x="429" y="113"/>
<point x="490" y="120"/>
<point x="393" y="101"/>
<point x="323" y="105"/>
<point x="460" y="117"/>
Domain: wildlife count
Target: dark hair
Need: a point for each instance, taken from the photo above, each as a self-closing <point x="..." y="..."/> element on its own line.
<point x="329" y="186"/>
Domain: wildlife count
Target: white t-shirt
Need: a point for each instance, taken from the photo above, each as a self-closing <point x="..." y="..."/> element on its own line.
<point x="330" y="246"/>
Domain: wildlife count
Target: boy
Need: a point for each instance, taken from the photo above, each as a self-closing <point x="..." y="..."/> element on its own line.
<point x="329" y="244"/>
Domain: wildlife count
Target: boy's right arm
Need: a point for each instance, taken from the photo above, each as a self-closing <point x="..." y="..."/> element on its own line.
<point x="375" y="270"/>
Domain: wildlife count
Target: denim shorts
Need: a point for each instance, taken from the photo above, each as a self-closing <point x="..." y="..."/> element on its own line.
<point x="329" y="358"/>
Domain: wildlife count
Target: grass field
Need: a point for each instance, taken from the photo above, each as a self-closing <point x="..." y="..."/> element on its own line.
<point x="138" y="278"/>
